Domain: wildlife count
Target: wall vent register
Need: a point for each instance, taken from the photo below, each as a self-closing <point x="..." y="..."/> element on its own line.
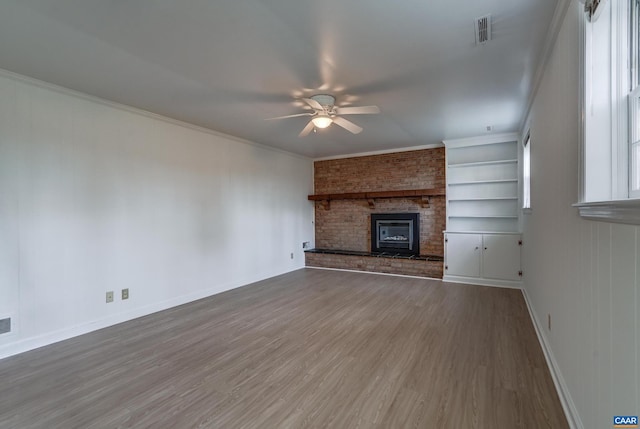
<point x="5" y="325"/>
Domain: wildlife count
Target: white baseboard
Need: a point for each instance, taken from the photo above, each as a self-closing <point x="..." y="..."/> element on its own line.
<point x="569" y="407"/>
<point x="31" y="343"/>
<point x="510" y="284"/>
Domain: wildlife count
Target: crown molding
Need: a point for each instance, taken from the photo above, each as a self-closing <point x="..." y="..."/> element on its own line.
<point x="380" y="152"/>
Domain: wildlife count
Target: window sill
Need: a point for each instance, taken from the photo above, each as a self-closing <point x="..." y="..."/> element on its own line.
<point x="617" y="211"/>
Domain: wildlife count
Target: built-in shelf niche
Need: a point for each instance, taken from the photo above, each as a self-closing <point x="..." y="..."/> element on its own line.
<point x="482" y="184"/>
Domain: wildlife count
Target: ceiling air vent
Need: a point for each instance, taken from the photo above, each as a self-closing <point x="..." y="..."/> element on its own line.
<point x="483" y="29"/>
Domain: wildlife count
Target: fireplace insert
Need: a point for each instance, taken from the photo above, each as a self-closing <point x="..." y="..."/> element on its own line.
<point x="396" y="233"/>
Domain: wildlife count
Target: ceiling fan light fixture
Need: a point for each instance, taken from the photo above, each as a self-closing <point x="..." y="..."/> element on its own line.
<point x="322" y="121"/>
<point x="325" y="112"/>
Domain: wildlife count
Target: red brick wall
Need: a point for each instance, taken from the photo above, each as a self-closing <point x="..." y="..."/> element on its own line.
<point x="346" y="225"/>
<point x="390" y="172"/>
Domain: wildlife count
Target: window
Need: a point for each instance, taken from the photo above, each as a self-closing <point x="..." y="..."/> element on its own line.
<point x="634" y="107"/>
<point x="611" y="111"/>
<point x="610" y="101"/>
<point x="634" y="32"/>
<point x="634" y="98"/>
<point x="526" y="173"/>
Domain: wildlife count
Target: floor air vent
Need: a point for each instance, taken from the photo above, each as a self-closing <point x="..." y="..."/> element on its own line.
<point x="483" y="29"/>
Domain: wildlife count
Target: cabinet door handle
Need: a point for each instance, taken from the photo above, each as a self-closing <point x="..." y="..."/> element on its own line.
<point x="485" y="248"/>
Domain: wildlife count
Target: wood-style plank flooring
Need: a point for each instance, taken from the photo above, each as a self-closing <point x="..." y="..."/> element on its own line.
<point x="312" y="348"/>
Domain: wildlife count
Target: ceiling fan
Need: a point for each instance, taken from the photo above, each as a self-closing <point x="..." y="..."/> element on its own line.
<point x="325" y="113"/>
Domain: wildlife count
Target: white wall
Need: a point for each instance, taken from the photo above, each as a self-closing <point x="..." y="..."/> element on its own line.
<point x="582" y="273"/>
<point x="96" y="197"/>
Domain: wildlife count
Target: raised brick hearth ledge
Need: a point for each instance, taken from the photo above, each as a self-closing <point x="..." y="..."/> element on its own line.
<point x="377" y="254"/>
<point x="420" y="266"/>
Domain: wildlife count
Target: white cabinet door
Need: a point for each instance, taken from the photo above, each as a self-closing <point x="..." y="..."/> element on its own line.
<point x="501" y="257"/>
<point x="463" y="254"/>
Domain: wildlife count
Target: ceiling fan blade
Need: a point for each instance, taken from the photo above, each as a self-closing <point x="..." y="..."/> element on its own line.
<point x="358" y="110"/>
<point x="313" y="103"/>
<point x="290" y="116"/>
<point x="347" y="125"/>
<point x="306" y="130"/>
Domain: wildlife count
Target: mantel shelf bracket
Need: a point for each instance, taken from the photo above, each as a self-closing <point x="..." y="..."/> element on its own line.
<point x="423" y="201"/>
<point x="372" y="203"/>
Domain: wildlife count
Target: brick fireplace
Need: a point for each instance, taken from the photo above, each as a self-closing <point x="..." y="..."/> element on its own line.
<point x="362" y="186"/>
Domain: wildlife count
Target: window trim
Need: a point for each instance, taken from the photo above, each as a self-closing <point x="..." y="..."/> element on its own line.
<point x="526" y="147"/>
<point x="633" y="123"/>
<point x="617" y="211"/>
<point x="624" y="206"/>
<point x="633" y="84"/>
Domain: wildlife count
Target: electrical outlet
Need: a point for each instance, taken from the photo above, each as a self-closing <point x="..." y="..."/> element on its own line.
<point x="125" y="293"/>
<point x="109" y="297"/>
<point x="291" y="255"/>
<point x="549" y="321"/>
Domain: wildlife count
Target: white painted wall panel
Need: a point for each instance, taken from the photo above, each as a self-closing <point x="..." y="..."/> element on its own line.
<point x="603" y="313"/>
<point x="637" y="322"/>
<point x="623" y="318"/>
<point x="95" y="197"/>
<point x="582" y="273"/>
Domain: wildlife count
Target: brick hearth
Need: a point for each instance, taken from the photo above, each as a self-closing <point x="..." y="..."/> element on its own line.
<point x="424" y="266"/>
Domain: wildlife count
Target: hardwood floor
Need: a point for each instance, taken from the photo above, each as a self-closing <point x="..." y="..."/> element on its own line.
<point x="312" y="348"/>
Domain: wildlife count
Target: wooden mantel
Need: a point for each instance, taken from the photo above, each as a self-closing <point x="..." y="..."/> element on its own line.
<point x="421" y="195"/>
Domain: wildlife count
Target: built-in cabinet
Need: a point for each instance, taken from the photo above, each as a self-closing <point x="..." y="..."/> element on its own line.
<point x="482" y="241"/>
<point x="483" y="258"/>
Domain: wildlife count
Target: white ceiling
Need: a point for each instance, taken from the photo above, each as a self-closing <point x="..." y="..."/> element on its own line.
<point x="229" y="64"/>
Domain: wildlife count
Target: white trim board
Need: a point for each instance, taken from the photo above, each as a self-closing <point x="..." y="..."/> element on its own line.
<point x="617" y="211"/>
<point x="380" y="152"/>
<point x="483" y="232"/>
<point x="447" y="279"/>
<point x="83" y="96"/>
<point x="569" y="407"/>
<point x="507" y="284"/>
<point x="481" y="140"/>
<point x="32" y="343"/>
